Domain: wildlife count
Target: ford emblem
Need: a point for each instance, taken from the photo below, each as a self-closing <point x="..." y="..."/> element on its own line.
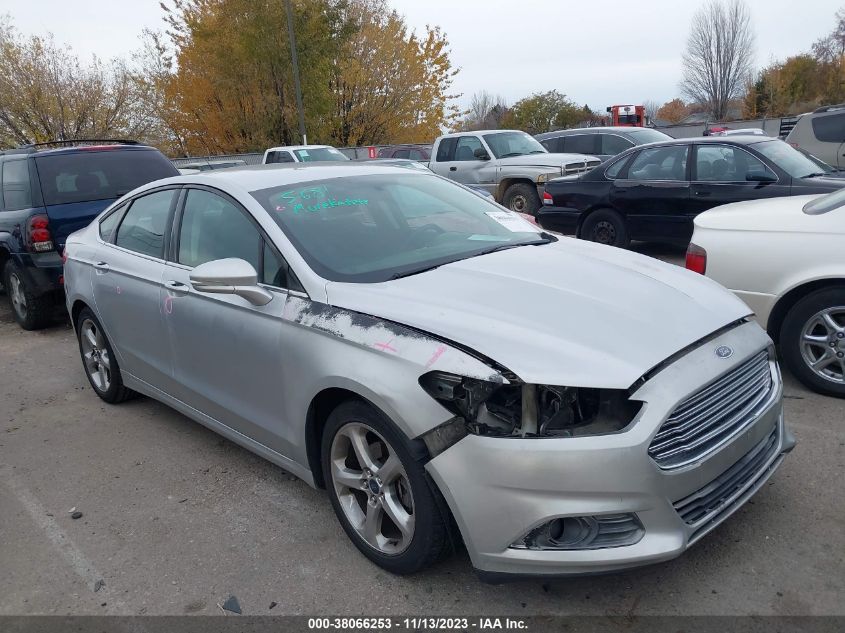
<point x="723" y="351"/>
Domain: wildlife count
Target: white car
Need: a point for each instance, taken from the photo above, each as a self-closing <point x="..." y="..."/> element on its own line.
<point x="302" y="154"/>
<point x="785" y="257"/>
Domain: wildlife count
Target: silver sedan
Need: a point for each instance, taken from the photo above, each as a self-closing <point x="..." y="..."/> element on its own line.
<point x="443" y="368"/>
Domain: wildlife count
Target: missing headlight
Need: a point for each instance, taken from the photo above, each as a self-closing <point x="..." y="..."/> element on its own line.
<point x="521" y="410"/>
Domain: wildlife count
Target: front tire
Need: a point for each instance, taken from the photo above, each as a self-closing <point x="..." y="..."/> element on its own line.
<point x="812" y="341"/>
<point x="99" y="360"/>
<point x="380" y="492"/>
<point x="31" y="311"/>
<point x="522" y="198"/>
<point x="606" y="226"/>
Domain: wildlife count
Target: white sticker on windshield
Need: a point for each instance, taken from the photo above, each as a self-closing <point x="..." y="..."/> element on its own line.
<point x="512" y="222"/>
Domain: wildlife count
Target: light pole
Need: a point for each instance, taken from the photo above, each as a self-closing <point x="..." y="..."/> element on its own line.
<point x="296" y="85"/>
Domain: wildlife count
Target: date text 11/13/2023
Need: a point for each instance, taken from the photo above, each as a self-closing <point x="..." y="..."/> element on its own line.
<point x="430" y="623"/>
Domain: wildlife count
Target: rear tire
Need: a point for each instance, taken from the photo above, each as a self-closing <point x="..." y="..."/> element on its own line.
<point x="812" y="341"/>
<point x="99" y="361"/>
<point x="605" y="226"/>
<point x="31" y="311"/>
<point x="388" y="481"/>
<point x="522" y="198"/>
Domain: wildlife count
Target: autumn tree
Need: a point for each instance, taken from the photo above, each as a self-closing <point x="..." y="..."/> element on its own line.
<point x="719" y="55"/>
<point x="47" y="93"/>
<point x="389" y="84"/>
<point x="673" y="111"/>
<point x="543" y="112"/>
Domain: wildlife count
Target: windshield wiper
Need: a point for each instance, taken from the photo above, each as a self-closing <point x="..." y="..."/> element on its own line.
<point x="509" y="154"/>
<point x="547" y="238"/>
<point x="538" y="151"/>
<point x="814" y="174"/>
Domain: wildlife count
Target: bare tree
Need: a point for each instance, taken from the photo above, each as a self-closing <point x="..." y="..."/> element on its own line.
<point x="485" y="111"/>
<point x="719" y="55"/>
<point x="651" y="107"/>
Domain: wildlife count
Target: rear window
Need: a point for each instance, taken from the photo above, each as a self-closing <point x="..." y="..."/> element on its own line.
<point x="829" y="128"/>
<point x="99" y="175"/>
<point x="17" y="193"/>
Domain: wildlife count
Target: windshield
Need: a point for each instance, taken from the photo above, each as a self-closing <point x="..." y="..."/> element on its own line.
<point x="826" y="203"/>
<point x="641" y="137"/>
<point x="314" y="154"/>
<point x="378" y="227"/>
<point x="788" y="158"/>
<point x="504" y="144"/>
<point x="88" y="175"/>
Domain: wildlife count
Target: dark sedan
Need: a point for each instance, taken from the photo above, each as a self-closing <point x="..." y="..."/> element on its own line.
<point x="653" y="192"/>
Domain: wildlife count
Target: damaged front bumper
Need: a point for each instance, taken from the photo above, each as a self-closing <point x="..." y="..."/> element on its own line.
<point x="502" y="489"/>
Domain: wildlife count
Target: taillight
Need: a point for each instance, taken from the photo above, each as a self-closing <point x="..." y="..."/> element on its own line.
<point x="38" y="238"/>
<point x="547" y="198"/>
<point x="64" y="256"/>
<point x="696" y="259"/>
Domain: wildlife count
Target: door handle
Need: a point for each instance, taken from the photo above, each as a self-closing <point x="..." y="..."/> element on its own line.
<point x="176" y="287"/>
<point x="702" y="193"/>
<point x="101" y="267"/>
<point x="453" y="168"/>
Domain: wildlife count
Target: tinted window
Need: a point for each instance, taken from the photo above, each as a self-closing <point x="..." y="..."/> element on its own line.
<point x="552" y="144"/>
<point x="17" y="193"/>
<point x="109" y="223"/>
<point x="581" y="143"/>
<point x="274" y="271"/>
<point x="660" y="163"/>
<point x="401" y="153"/>
<point x="99" y="175"/>
<point x="416" y="154"/>
<point x="143" y="226"/>
<point x="642" y="136"/>
<point x="370" y="228"/>
<point x="279" y="157"/>
<point x="727" y="163"/>
<point x="215" y="228"/>
<point x="612" y="144"/>
<point x="466" y="148"/>
<point x="829" y="128"/>
<point x="446" y="149"/>
<point x="615" y="168"/>
<point x="318" y="154"/>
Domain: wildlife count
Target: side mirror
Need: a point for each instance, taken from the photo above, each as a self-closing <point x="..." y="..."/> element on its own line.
<point x="760" y="177"/>
<point x="230" y="276"/>
<point x="481" y="154"/>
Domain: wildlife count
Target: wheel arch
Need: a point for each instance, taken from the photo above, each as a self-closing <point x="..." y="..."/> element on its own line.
<point x="505" y="183"/>
<point x="78" y="306"/>
<point x="793" y="296"/>
<point x="599" y="207"/>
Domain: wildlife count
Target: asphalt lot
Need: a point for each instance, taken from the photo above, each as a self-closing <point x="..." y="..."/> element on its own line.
<point x="176" y="519"/>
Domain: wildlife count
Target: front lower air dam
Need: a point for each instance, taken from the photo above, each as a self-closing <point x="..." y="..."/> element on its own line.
<point x="585" y="532"/>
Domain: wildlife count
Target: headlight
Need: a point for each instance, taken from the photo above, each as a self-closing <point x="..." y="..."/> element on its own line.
<point x="525" y="410"/>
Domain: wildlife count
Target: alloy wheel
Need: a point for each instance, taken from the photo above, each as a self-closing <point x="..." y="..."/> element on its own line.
<point x="823" y="344"/>
<point x="95" y="355"/>
<point x="373" y="488"/>
<point x="17" y="295"/>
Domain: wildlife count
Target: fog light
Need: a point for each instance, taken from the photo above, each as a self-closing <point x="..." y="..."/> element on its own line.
<point x="588" y="532"/>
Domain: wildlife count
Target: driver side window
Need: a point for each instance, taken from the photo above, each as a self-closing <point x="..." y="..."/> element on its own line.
<point x="466" y="147"/>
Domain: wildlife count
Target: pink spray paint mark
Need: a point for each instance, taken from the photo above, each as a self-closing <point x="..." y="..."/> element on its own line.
<point x="385" y="347"/>
<point x="168" y="304"/>
<point x="437" y="354"/>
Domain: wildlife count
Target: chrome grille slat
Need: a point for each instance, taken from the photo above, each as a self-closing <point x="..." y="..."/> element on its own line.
<point x="719" y="409"/>
<point x="710" y="417"/>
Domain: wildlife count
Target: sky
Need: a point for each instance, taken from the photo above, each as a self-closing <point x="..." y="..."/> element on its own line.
<point x="597" y="53"/>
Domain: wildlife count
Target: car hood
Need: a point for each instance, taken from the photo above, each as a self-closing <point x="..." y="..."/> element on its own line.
<point x="545" y="160"/>
<point x="772" y="215"/>
<point x="818" y="184"/>
<point x="571" y="313"/>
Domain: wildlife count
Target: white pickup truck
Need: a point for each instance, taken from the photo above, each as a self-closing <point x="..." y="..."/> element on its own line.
<point x="510" y="164"/>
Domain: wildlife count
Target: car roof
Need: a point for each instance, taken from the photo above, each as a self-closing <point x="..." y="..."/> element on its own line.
<point x="751" y="139"/>
<point x="77" y="149"/>
<point x="292" y="147"/>
<point x="618" y="129"/>
<point x="477" y="132"/>
<point x="256" y="177"/>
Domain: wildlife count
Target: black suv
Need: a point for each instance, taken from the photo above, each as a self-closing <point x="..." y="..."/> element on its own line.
<point x="50" y="190"/>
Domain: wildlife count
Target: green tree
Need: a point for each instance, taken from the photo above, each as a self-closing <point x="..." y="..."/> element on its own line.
<point x="543" y="112"/>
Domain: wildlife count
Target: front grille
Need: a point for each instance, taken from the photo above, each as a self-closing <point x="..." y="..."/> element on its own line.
<point x="580" y="167"/>
<point x="702" y="508"/>
<point x="713" y="415"/>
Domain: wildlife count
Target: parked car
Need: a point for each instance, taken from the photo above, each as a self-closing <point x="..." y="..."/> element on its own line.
<point x="510" y="164"/>
<point x="653" y="192"/>
<point x="302" y="154"/>
<point x="828" y="170"/>
<point x="208" y="165"/>
<point x="412" y="152"/>
<point x="822" y="133"/>
<point x="603" y="142"/>
<point x="426" y="356"/>
<point x="49" y="191"/>
<point x="785" y="259"/>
